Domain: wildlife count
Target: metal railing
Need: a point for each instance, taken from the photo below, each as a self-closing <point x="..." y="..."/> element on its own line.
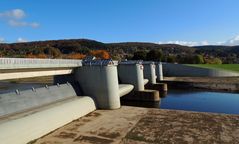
<point x="16" y="63"/>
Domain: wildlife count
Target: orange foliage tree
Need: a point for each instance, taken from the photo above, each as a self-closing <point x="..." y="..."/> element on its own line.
<point x="43" y="56"/>
<point x="102" y="54"/>
<point x="76" y="56"/>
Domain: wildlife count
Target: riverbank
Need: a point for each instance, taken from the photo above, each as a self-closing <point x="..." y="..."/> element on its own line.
<point x="230" y="84"/>
<point x="144" y="125"/>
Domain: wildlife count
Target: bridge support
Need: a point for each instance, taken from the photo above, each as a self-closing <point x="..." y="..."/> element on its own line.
<point x="131" y="72"/>
<point x="150" y="73"/>
<point x="159" y="71"/>
<point x="99" y="80"/>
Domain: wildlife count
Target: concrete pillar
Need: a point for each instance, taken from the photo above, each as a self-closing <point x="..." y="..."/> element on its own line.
<point x="159" y="71"/>
<point x="99" y="79"/>
<point x="132" y="73"/>
<point x="149" y="72"/>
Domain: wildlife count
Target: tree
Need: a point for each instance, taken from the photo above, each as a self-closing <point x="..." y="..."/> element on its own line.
<point x="198" y="59"/>
<point x="154" y="55"/>
<point x="75" y="56"/>
<point x="139" y="55"/>
<point x="171" y="59"/>
<point x="53" y="52"/>
<point x="100" y="54"/>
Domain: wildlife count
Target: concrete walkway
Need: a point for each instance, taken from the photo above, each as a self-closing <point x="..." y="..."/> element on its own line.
<point x="143" y="125"/>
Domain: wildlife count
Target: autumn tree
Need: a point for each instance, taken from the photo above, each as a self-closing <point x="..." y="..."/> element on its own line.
<point x="75" y="56"/>
<point x="100" y="54"/>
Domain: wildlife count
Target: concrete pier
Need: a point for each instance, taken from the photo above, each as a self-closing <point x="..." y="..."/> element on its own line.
<point x="99" y="79"/>
<point x="150" y="73"/>
<point x="132" y="72"/>
<point x="159" y="71"/>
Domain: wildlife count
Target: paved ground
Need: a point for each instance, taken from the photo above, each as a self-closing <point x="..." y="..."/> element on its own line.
<point x="143" y="125"/>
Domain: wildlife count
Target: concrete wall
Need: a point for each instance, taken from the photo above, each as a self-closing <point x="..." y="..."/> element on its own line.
<point x="11" y="103"/>
<point x="178" y="70"/>
<point x="30" y="127"/>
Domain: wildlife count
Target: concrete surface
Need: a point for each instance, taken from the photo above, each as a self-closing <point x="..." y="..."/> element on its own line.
<point x="142" y="125"/>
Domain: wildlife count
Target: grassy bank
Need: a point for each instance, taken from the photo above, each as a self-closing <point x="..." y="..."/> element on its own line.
<point x="228" y="67"/>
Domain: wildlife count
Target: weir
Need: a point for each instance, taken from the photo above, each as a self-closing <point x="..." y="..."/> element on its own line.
<point x="84" y="87"/>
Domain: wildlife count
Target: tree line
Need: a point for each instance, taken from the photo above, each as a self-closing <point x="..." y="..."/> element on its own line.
<point x="79" y="48"/>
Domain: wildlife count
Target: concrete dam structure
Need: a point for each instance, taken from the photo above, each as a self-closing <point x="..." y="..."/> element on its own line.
<point x="87" y="85"/>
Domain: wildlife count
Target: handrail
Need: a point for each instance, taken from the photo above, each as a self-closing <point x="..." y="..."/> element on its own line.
<point x="14" y="63"/>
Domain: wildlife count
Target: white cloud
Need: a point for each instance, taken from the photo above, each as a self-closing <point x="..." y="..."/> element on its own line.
<point x="231" y="42"/>
<point x="186" y="43"/>
<point x="16" y="17"/>
<point x="20" y="40"/>
<point x="13" y="14"/>
<point x="2" y="40"/>
<point x="22" y="24"/>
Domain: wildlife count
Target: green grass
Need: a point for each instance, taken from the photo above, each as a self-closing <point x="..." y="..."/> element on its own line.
<point x="228" y="67"/>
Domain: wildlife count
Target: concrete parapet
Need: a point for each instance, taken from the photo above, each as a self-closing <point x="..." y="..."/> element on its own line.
<point x="30" y="127"/>
<point x="100" y="81"/>
<point x="15" y="102"/>
<point x="149" y="72"/>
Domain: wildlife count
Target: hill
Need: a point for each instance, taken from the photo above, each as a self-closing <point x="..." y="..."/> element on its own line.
<point x="118" y="50"/>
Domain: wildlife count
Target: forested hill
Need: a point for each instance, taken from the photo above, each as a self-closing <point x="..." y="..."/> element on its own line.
<point x="169" y="52"/>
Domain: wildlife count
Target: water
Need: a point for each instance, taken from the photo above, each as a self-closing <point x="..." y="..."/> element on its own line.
<point x="202" y="101"/>
<point x="195" y="100"/>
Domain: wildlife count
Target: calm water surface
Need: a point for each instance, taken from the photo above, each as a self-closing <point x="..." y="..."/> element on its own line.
<point x="202" y="101"/>
<point x="195" y="100"/>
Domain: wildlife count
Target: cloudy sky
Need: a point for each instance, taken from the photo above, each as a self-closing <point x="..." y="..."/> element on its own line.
<point x="187" y="22"/>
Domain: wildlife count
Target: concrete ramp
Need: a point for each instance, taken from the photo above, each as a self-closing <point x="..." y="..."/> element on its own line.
<point x="19" y="101"/>
<point x="124" y="89"/>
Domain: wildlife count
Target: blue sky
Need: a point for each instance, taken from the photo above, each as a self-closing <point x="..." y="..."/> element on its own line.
<point x="194" y="22"/>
